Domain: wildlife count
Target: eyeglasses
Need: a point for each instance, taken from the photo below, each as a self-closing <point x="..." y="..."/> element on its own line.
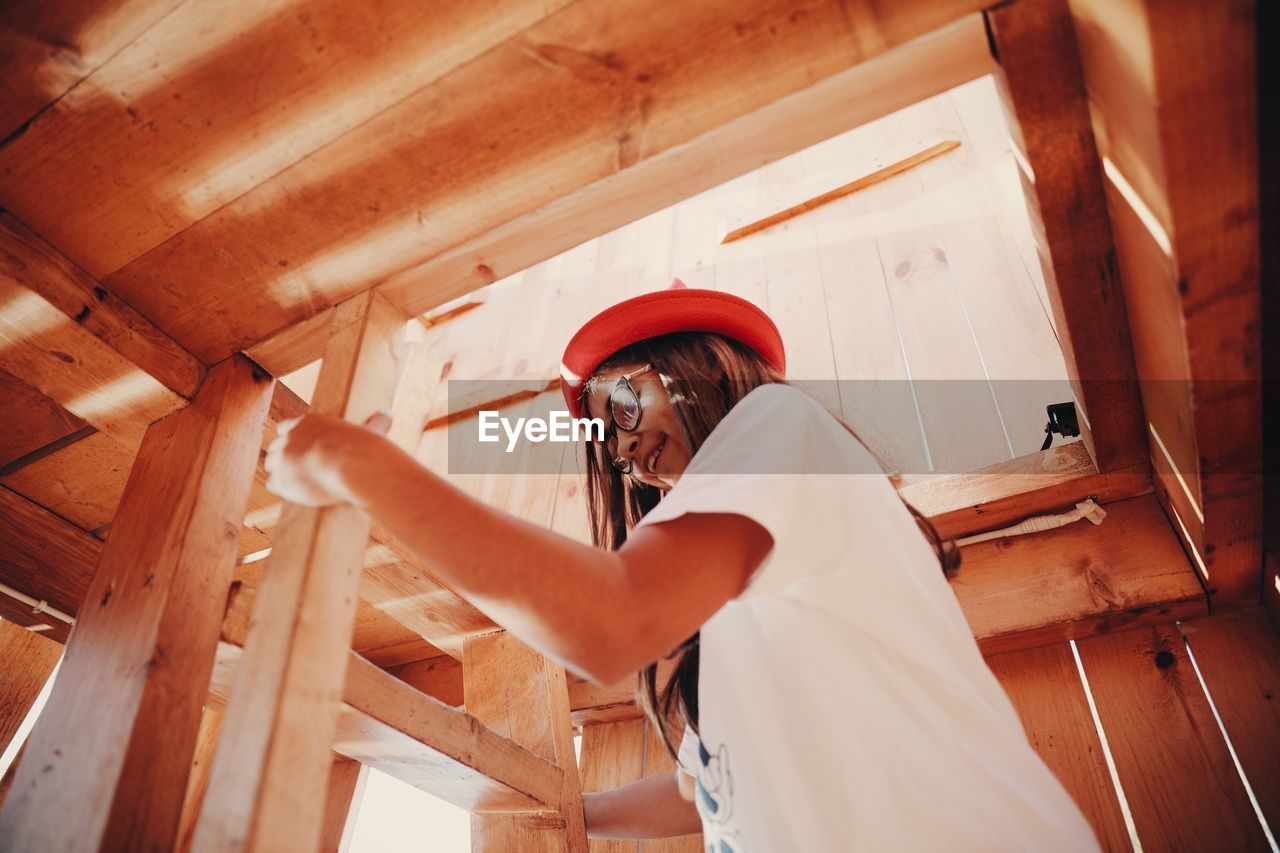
<point x="625" y="412"/>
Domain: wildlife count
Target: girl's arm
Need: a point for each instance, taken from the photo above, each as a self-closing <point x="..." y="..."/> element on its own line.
<point x="649" y="808"/>
<point x="602" y="614"/>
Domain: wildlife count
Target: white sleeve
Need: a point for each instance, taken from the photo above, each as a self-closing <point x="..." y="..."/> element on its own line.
<point x="687" y="760"/>
<point x="770" y="459"/>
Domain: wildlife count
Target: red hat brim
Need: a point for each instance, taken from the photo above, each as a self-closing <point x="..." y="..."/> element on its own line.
<point x="662" y="313"/>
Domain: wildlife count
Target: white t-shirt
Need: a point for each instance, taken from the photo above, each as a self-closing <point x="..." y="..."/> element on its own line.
<point x="844" y="703"/>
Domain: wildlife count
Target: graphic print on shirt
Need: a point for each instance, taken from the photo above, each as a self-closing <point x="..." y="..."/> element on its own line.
<point x="715" y="802"/>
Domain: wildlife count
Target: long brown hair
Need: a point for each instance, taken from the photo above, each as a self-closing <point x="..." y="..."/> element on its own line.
<point x="705" y="376"/>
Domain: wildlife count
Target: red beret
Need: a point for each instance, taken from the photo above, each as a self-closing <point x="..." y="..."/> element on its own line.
<point x="676" y="309"/>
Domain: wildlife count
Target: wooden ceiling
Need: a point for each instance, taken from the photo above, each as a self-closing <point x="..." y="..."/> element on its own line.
<point x="180" y="184"/>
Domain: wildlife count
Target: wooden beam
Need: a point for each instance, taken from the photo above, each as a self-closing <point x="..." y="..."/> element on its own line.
<point x="78" y="345"/>
<point x="108" y="760"/>
<point x="346" y="787"/>
<point x="33" y="423"/>
<point x="1049" y="481"/>
<point x="1171" y="760"/>
<point x="523" y="696"/>
<point x="1078" y="580"/>
<point x="26" y="662"/>
<point x="268" y="780"/>
<point x="198" y="780"/>
<point x="1045" y="688"/>
<point x="1175" y="113"/>
<point x="808" y="198"/>
<point x="624" y="116"/>
<point x="1042" y="89"/>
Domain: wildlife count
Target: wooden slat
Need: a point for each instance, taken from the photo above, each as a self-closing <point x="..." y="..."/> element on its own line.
<point x="346" y="783"/>
<point x="49" y="46"/>
<point x="1172" y="762"/>
<point x="398" y="730"/>
<point x="1042" y="88"/>
<point x="26" y="661"/>
<point x="32" y="421"/>
<point x="680" y="120"/>
<point x="612" y="756"/>
<point x="110" y="755"/>
<point x="1046" y="690"/>
<point x="1175" y="114"/>
<point x="523" y="696"/>
<point x="1007" y="492"/>
<point x="1239" y="657"/>
<point x="267" y="785"/>
<point x="1078" y="580"/>
<point x="237" y="99"/>
<point x="883" y="168"/>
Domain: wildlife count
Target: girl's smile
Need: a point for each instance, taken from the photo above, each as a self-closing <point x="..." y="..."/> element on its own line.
<point x="657" y="448"/>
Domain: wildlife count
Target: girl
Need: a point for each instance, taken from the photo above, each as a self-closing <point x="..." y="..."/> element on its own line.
<point x="827" y="693"/>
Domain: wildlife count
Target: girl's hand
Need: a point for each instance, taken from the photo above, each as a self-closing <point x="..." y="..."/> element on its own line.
<point x="315" y="459"/>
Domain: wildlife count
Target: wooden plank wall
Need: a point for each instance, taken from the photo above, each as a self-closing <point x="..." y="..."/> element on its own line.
<point x="1181" y="786"/>
<point x="908" y="286"/>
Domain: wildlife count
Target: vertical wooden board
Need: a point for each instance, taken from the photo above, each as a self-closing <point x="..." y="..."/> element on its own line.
<point x="612" y="756"/>
<point x="656" y="761"/>
<point x="1239" y="657"/>
<point x="1173" y="764"/>
<point x="1046" y="690"/>
<point x="524" y="697"/>
<point x="110" y="756"/>
<point x="198" y="781"/>
<point x="26" y="661"/>
<point x="346" y="783"/>
<point x="267" y="784"/>
<point x="875" y="391"/>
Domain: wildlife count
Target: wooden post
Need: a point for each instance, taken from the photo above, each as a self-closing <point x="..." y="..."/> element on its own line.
<point x="198" y="782"/>
<point x="346" y="785"/>
<point x="107" y="763"/>
<point x="524" y="697"/>
<point x="612" y="756"/>
<point x="270" y="770"/>
<point x="1042" y="89"/>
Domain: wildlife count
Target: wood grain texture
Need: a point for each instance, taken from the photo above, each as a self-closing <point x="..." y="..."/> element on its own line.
<point x="1175" y="113"/>
<point x="1002" y="494"/>
<point x="1042" y="88"/>
<point x="26" y="661"/>
<point x="523" y="696"/>
<point x="109" y="758"/>
<point x="32" y="420"/>
<point x="47" y="48"/>
<point x="43" y="555"/>
<point x="1078" y="580"/>
<point x="268" y="780"/>
<point x="1172" y="762"/>
<point x="346" y="783"/>
<point x="82" y="482"/>
<point x="675" y="121"/>
<point x="198" y="780"/>
<point x="612" y="756"/>
<point x="38" y="266"/>
<point x="1046" y="690"/>
<point x="1239" y="657"/>
<point x="242" y="97"/>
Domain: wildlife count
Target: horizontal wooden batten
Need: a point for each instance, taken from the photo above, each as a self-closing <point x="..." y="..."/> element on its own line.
<point x="1051" y="480"/>
<point x="1079" y="580"/>
<point x="679" y="127"/>
<point x="394" y="728"/>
